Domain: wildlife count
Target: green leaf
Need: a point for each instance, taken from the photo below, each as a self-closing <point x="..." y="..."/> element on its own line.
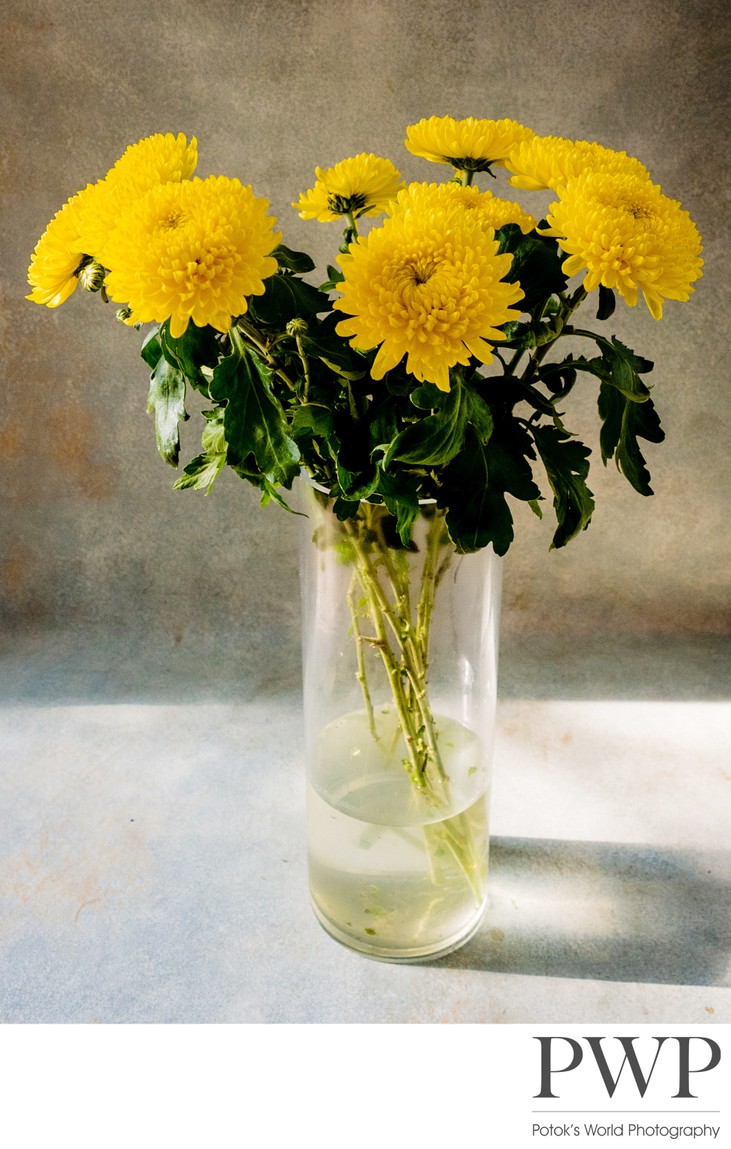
<point x="312" y="420"/>
<point x="567" y="465"/>
<point x="334" y="354"/>
<point x="287" y="297"/>
<point x="335" y="278"/>
<point x="151" y="349"/>
<point x="401" y="498"/>
<point x="509" y="452"/>
<point x="427" y="397"/>
<point x="201" y="473"/>
<point x="356" y="484"/>
<point x="254" y="422"/>
<point x="607" y="302"/>
<point x="477" y="514"/>
<point x="166" y="398"/>
<point x="623" y="422"/>
<point x="536" y="264"/>
<point x="435" y="439"/>
<point x="620" y="367"/>
<point x="197" y="347"/>
<point x="297" y="261"/>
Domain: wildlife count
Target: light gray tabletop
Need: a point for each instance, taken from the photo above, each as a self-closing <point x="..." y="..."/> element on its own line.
<point x="152" y="863"/>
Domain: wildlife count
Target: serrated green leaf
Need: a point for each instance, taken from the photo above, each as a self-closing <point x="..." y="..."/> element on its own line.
<point x="536" y="264"/>
<point x="567" y="465"/>
<point x="166" y="399"/>
<point x="477" y="514"/>
<point x="623" y="423"/>
<point x="620" y="367"/>
<point x="254" y="421"/>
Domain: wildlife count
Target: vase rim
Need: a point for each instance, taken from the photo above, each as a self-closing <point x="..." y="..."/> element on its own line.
<point x="307" y="478"/>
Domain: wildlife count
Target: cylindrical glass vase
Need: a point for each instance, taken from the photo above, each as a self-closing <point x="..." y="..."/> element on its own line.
<point x="400" y="670"/>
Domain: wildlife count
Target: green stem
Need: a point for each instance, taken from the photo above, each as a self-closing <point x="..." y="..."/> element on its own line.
<point x="403" y="654"/>
<point x="380" y="642"/>
<point x="361" y="671"/>
<point x="240" y="328"/>
<point x="305" y="366"/>
<point x="568" y="306"/>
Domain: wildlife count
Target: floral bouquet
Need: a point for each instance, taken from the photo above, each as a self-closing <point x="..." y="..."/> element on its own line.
<point x="422" y="373"/>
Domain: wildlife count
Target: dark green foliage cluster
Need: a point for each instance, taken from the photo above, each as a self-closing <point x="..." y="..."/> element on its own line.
<point x="286" y="393"/>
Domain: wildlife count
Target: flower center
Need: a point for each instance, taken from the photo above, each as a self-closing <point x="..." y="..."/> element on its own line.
<point x="635" y="209"/>
<point x="421" y="271"/>
<point x="172" y="219"/>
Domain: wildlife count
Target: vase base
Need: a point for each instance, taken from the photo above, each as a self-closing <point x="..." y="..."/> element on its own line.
<point x="403" y="955"/>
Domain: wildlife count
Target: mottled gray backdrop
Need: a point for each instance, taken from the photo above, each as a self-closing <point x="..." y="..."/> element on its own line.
<point x="94" y="541"/>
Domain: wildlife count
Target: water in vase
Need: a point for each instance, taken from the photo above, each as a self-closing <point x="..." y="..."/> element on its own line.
<point x="391" y="872"/>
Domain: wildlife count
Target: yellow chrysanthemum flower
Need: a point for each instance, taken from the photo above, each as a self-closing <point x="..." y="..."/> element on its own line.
<point x="157" y="159"/>
<point x="628" y="236"/>
<point x="362" y="185"/>
<point x="60" y="253"/>
<point x="426" y="284"/>
<point x="468" y="145"/>
<point x="492" y="211"/>
<point x="551" y="161"/>
<point x="191" y="251"/>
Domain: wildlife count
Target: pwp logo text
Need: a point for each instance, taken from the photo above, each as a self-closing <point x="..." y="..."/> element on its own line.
<point x="672" y="1061"/>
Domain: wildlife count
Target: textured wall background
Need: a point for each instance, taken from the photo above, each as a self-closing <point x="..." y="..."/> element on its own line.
<point x="94" y="540"/>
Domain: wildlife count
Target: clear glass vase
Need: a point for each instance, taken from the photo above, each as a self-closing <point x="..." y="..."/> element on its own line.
<point x="400" y="669"/>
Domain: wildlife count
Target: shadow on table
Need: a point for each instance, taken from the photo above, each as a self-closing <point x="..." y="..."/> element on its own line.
<point x="605" y="911"/>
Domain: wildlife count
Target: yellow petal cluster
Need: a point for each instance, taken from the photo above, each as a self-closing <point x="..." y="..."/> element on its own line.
<point x="158" y="159"/>
<point x="551" y="162"/>
<point x="361" y="185"/>
<point x="469" y="145"/>
<point x="59" y="254"/>
<point x="626" y="235"/>
<point x="191" y="251"/>
<point x="427" y="284"/>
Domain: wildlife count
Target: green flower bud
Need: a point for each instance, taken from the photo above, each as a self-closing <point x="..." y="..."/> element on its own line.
<point x="91" y="275"/>
<point x="123" y="314"/>
<point x="297" y="327"/>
